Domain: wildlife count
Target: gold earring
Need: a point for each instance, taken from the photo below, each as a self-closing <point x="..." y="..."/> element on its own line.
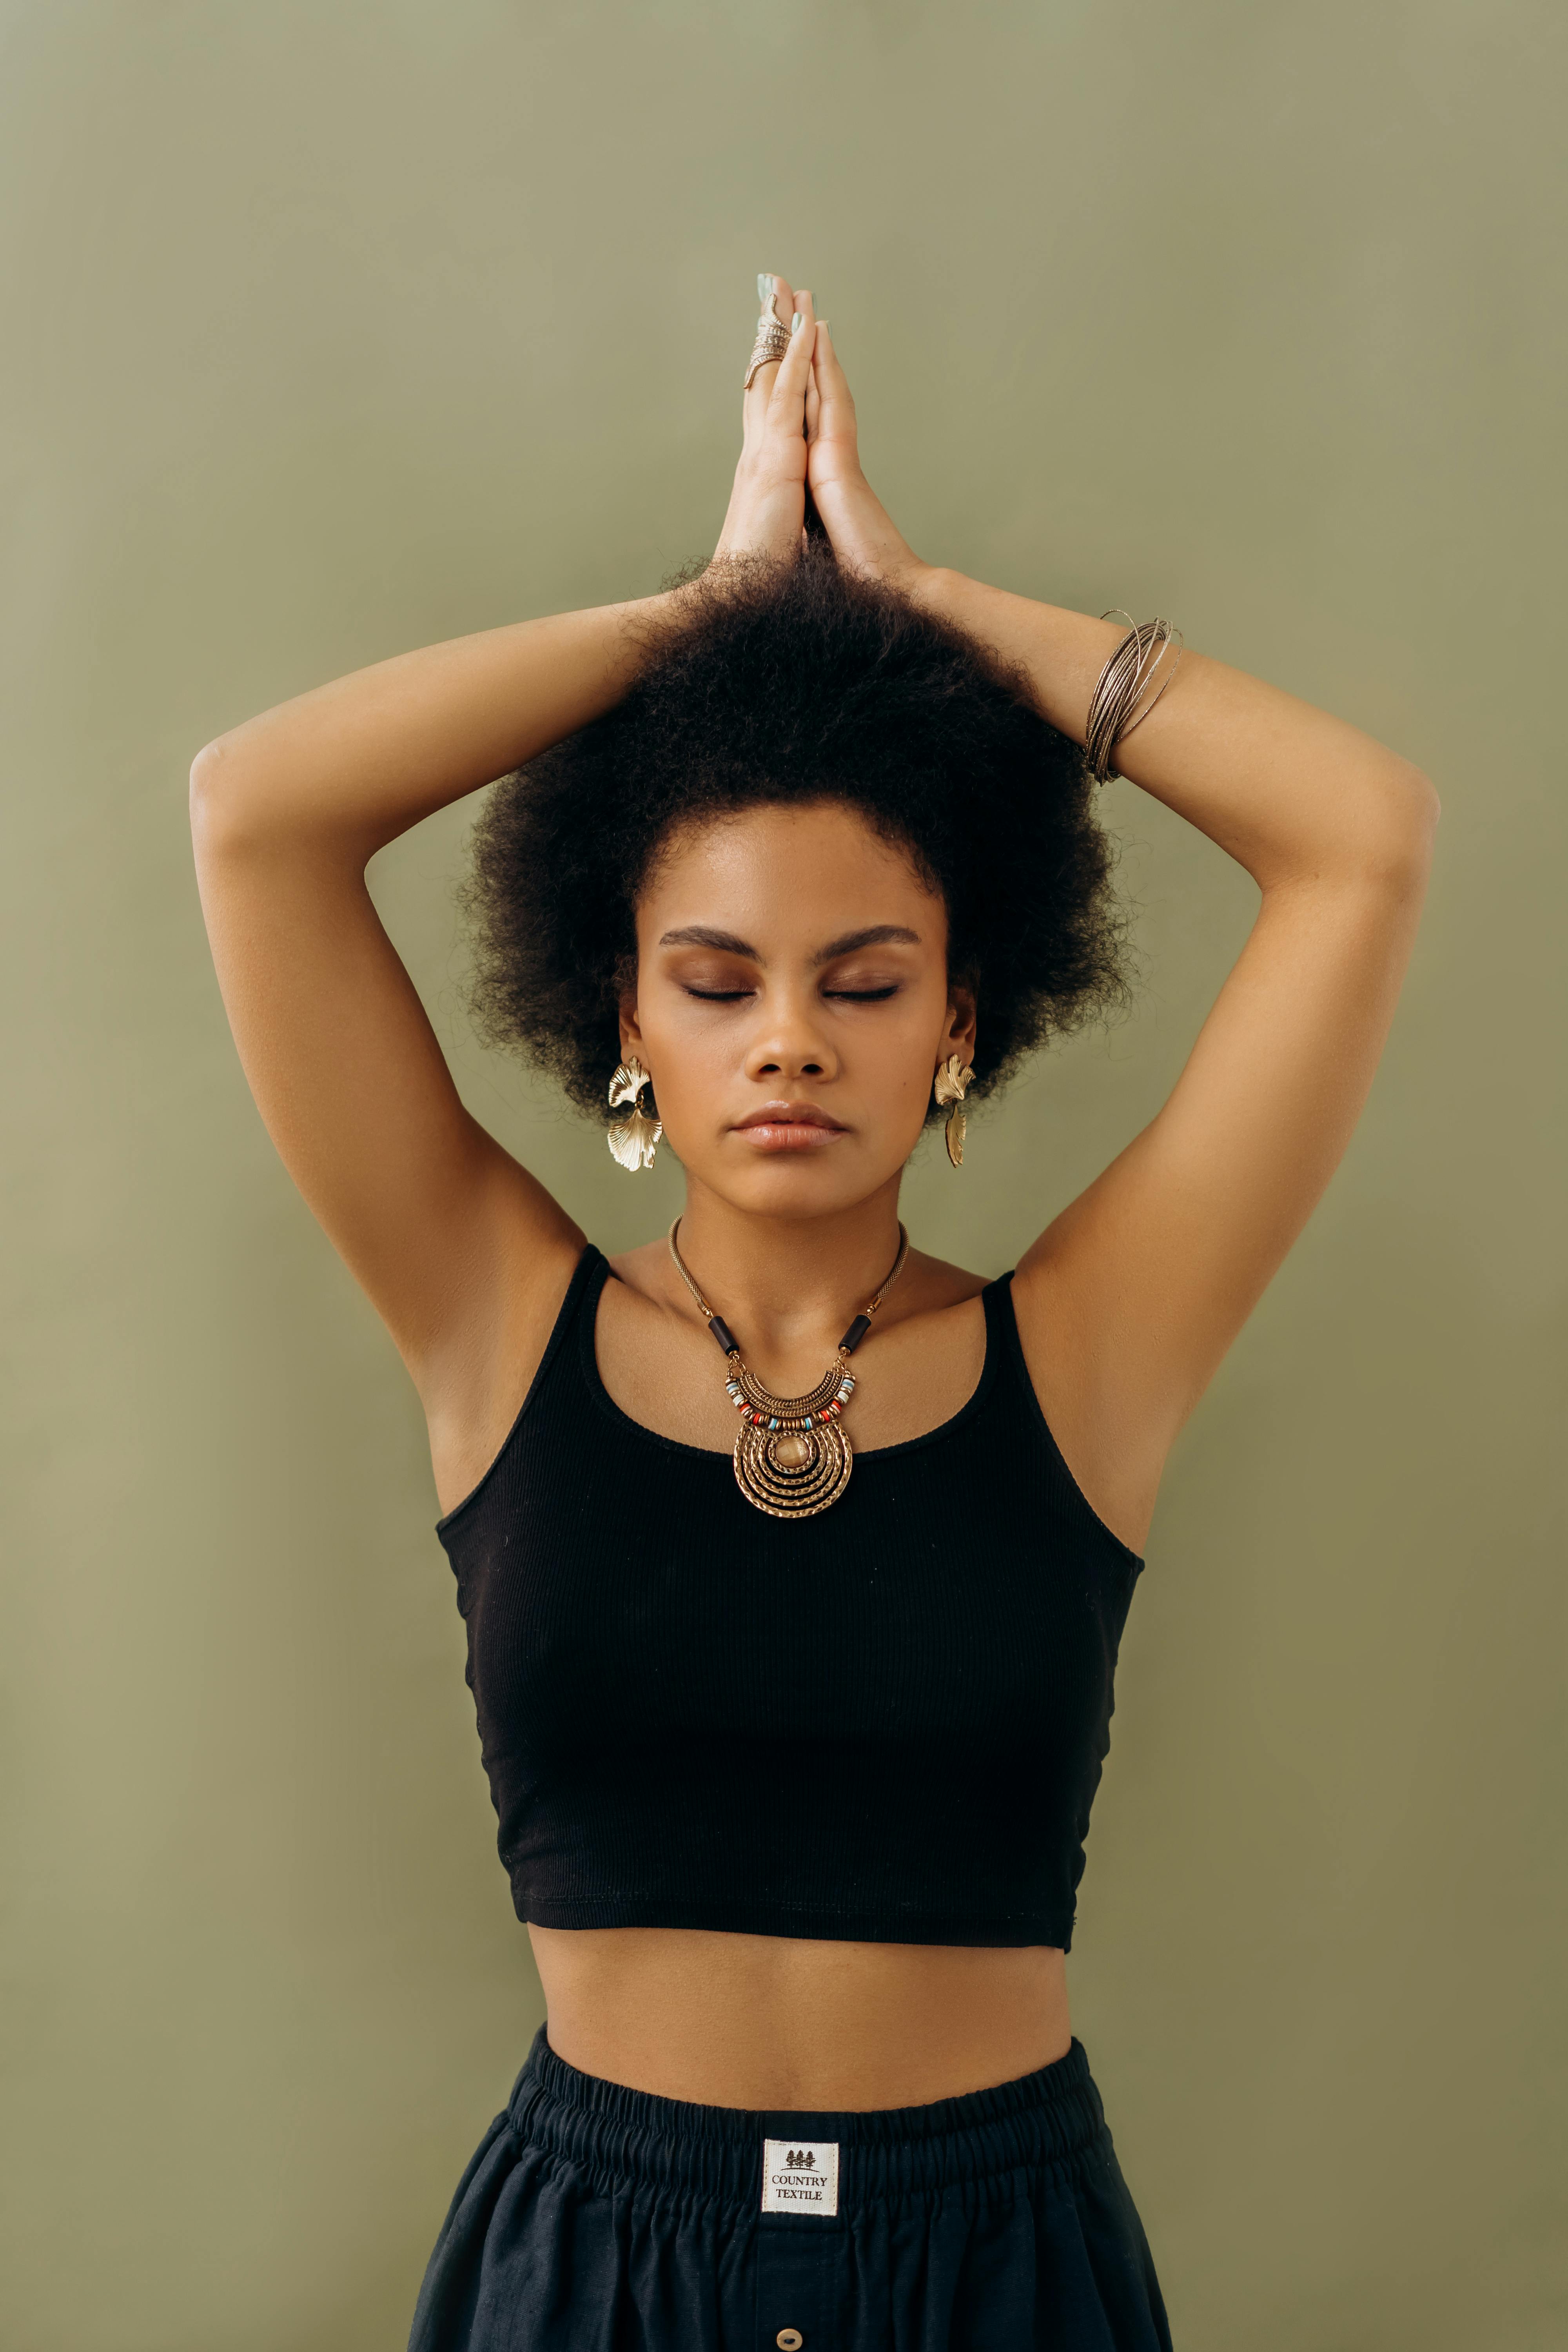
<point x="952" y="1083"/>
<point x="633" y="1141"/>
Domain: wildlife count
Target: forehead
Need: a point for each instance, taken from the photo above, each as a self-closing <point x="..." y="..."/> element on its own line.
<point x="795" y="873"/>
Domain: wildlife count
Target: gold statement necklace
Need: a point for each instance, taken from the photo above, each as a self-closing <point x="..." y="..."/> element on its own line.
<point x="792" y="1459"/>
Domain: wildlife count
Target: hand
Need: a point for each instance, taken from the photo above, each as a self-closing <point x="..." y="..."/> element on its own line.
<point x="767" y="504"/>
<point x="864" y="538"/>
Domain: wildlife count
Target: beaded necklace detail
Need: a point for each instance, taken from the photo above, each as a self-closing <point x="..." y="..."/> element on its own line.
<point x="792" y="1459"/>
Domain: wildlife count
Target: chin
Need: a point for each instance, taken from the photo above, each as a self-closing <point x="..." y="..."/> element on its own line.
<point x="793" y="1184"/>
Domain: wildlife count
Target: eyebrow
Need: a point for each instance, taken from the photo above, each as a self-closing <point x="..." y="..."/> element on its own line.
<point x="875" y="935"/>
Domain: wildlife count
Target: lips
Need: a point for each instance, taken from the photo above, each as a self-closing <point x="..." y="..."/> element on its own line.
<point x="789" y="1127"/>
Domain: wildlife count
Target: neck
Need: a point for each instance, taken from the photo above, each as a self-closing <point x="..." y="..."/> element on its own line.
<point x="781" y="1283"/>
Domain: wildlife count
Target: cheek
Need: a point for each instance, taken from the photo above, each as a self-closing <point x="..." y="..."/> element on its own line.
<point x="903" y="1086"/>
<point x="902" y="1058"/>
<point x="690" y="1051"/>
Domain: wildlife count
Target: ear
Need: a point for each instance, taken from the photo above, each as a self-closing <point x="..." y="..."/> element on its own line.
<point x="958" y="1037"/>
<point x="631" y="1028"/>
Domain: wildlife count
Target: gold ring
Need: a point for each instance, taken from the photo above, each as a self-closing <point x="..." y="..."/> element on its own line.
<point x="772" y="342"/>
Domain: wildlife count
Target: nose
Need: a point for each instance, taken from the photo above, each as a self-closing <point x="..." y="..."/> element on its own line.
<point x="789" y="1042"/>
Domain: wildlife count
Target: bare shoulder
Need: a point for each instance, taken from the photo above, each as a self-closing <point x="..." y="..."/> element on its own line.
<point x="645" y="1271"/>
<point x="1115" y="1451"/>
<point x="473" y="1393"/>
<point x="926" y="1356"/>
<point x="929" y="1286"/>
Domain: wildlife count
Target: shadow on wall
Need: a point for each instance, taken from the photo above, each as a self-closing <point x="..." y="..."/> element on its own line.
<point x="1316" y="1877"/>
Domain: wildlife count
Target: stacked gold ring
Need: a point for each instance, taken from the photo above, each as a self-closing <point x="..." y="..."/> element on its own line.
<point x="772" y="342"/>
<point x="772" y="335"/>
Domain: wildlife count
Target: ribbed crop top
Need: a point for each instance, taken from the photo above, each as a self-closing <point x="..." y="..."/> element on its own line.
<point x="885" y="1722"/>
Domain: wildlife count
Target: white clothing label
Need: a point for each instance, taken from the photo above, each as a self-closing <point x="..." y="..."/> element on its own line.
<point x="800" y="2175"/>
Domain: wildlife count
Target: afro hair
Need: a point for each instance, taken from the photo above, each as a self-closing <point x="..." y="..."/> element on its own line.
<point x="797" y="683"/>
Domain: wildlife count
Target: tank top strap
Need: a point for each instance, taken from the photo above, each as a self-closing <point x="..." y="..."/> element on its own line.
<point x="1004" y="1349"/>
<point x="588" y="1276"/>
<point x="578" y="1310"/>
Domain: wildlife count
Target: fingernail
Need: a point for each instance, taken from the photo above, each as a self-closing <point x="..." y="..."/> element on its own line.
<point x="822" y="325"/>
<point x="797" y="322"/>
<point x="765" y="284"/>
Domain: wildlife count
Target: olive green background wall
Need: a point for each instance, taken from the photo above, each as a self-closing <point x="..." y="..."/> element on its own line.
<point x="332" y="329"/>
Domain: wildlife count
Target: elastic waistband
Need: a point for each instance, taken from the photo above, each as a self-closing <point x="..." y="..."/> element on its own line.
<point x="625" y="2136"/>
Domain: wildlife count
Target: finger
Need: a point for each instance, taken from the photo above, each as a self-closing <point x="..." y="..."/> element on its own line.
<point x="813" y="391"/>
<point x="775" y="297"/>
<point x="787" y="402"/>
<point x="836" y="414"/>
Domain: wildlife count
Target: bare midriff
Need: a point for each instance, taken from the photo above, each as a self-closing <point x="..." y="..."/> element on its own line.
<point x="784" y="2021"/>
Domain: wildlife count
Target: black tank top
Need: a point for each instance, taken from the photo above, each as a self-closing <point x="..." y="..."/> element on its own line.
<point x="886" y="1722"/>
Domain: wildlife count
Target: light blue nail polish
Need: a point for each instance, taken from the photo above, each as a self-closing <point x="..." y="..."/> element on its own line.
<point x="797" y="322"/>
<point x="764" y="284"/>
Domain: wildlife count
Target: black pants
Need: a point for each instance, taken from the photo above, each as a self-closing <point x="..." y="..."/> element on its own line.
<point x="596" y="2219"/>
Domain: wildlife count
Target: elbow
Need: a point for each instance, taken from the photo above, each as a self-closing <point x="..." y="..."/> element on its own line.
<point x="223" y="803"/>
<point x="1421" y="797"/>
<point x="241" y="808"/>
<point x="205" y="770"/>
<point x="1399" y="850"/>
<point x="1382" y="834"/>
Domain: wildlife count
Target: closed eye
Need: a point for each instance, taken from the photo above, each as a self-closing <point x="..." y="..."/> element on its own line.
<point x="841" y="995"/>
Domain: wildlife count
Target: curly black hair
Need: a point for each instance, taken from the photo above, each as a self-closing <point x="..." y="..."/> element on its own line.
<point x="797" y="683"/>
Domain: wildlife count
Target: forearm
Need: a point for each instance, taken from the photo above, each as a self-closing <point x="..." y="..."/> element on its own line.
<point x="1287" y="790"/>
<point x="357" y="762"/>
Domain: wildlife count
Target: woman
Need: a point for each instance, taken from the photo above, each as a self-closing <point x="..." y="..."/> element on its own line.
<point x="793" y="1719"/>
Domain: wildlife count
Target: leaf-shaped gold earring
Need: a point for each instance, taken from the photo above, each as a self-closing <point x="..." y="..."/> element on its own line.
<point x="951" y="1085"/>
<point x="631" y="1140"/>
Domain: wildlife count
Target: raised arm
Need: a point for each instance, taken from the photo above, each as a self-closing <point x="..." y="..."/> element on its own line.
<point x="437" y="1222"/>
<point x="462" y="1252"/>
<point x="1144" y="1281"/>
